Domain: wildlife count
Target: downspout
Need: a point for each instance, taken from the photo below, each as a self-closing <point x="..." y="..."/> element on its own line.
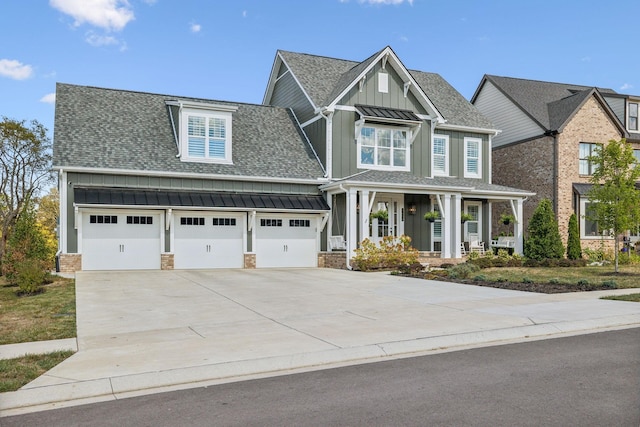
<point x="554" y="175"/>
<point x="328" y="115"/>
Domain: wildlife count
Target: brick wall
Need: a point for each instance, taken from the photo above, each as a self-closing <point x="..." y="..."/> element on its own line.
<point x="166" y="261"/>
<point x="249" y="260"/>
<point x="527" y="166"/>
<point x="70" y="263"/>
<point x="590" y="124"/>
<point x="336" y="260"/>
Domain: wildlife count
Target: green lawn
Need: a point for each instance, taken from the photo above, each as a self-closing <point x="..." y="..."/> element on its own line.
<point x="627" y="277"/>
<point x="630" y="297"/>
<point x="14" y="373"/>
<point x="49" y="315"/>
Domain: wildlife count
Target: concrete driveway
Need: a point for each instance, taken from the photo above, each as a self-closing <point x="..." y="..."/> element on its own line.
<point x="144" y="331"/>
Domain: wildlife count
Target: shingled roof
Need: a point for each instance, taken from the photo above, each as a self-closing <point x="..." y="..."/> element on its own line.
<point x="126" y="130"/>
<point x="548" y="103"/>
<point x="324" y="79"/>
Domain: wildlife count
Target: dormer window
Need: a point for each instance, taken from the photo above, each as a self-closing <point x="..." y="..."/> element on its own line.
<point x="633" y="116"/>
<point x="384" y="137"/>
<point x="205" y="133"/>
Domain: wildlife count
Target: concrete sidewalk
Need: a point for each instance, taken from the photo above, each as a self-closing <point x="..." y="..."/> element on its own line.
<point x="144" y="332"/>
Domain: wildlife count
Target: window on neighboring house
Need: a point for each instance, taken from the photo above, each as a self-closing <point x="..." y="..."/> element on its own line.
<point x="589" y="227"/>
<point x="206" y="136"/>
<point x="441" y="155"/>
<point x="586" y="150"/>
<point x="633" y="116"/>
<point x="636" y="154"/>
<point x="383" y="148"/>
<point x="473" y="158"/>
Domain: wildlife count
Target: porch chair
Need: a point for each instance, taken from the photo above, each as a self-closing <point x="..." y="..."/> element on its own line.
<point x="463" y="250"/>
<point x="475" y="245"/>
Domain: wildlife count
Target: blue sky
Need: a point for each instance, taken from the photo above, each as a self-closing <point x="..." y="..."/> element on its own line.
<point x="225" y="49"/>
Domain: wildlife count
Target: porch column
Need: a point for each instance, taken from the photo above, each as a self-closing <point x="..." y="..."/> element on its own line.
<point x="352" y="225"/>
<point x="364" y="216"/>
<point x="447" y="223"/>
<point x="457" y="210"/>
<point x="518" y="228"/>
<point x="330" y="221"/>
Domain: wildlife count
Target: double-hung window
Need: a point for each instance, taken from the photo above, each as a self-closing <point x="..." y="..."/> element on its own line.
<point x="633" y="116"/>
<point x="206" y="136"/>
<point x="441" y="155"/>
<point x="472" y="157"/>
<point x="383" y="148"/>
<point x="587" y="149"/>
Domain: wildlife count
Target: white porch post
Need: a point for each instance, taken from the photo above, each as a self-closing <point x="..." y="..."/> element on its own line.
<point x="518" y="228"/>
<point x="458" y="226"/>
<point x="352" y="225"/>
<point x="447" y="223"/>
<point x="364" y="216"/>
<point x="330" y="221"/>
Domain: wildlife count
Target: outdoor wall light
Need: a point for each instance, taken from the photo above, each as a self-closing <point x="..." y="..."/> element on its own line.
<point x="412" y="209"/>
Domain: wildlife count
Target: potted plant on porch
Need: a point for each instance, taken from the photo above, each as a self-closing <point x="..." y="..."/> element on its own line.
<point x="464" y="217"/>
<point x="431" y="216"/>
<point x="507" y="219"/>
<point x="380" y="215"/>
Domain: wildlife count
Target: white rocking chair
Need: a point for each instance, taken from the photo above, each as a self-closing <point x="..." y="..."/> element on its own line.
<point x="475" y="245"/>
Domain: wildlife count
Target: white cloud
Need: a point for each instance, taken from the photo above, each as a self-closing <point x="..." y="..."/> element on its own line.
<point x="112" y="15"/>
<point x="15" y="69"/>
<point x="585" y="59"/>
<point x="195" y="28"/>
<point x="244" y="13"/>
<point x="404" y="38"/>
<point x="98" y="40"/>
<point x="626" y="86"/>
<point x="49" y="98"/>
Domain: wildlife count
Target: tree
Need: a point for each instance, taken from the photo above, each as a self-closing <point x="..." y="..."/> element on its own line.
<point x="544" y="240"/>
<point x="48" y="210"/>
<point x="25" y="166"/>
<point x="28" y="255"/>
<point x="574" y="249"/>
<point x="614" y="197"/>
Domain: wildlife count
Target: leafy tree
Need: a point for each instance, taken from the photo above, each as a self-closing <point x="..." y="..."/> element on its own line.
<point x="574" y="249"/>
<point x="615" y="199"/>
<point x="48" y="210"/>
<point x="25" y="166"/>
<point x="544" y="240"/>
<point x="28" y="255"/>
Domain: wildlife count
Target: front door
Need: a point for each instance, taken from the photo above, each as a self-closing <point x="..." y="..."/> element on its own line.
<point x="387" y="217"/>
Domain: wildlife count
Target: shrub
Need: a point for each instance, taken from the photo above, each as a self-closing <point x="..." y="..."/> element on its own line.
<point x="413" y="268"/>
<point x="554" y="281"/>
<point x="527" y="280"/>
<point x="30" y="276"/>
<point x="574" y="249"/>
<point x="544" y="238"/>
<point x="390" y="253"/>
<point x="463" y="271"/>
<point x="583" y="282"/>
<point x="610" y="284"/>
<point x="26" y="244"/>
<point x="480" y="278"/>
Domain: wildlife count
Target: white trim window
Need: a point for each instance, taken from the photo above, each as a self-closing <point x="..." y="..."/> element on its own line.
<point x="384" y="148"/>
<point x="633" y="116"/>
<point x="440" y="152"/>
<point x="586" y="150"/>
<point x="636" y="155"/>
<point x="589" y="228"/>
<point x="206" y="136"/>
<point x="472" y="157"/>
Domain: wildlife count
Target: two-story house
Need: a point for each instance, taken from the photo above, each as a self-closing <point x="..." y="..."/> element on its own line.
<point x="151" y="181"/>
<point x="548" y="132"/>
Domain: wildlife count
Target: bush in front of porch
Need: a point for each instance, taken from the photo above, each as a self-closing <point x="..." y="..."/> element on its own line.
<point x="390" y="253"/>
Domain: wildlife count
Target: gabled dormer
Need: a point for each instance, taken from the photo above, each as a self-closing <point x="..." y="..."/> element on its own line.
<point x="204" y="132"/>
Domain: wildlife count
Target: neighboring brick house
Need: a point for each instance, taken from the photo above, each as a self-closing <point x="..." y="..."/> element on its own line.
<point x="547" y="132"/>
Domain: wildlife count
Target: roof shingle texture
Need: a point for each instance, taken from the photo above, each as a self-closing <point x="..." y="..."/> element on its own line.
<point x="326" y="78"/>
<point x="116" y="129"/>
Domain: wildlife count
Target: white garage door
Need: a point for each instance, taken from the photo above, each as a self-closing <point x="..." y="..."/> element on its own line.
<point x="208" y="240"/>
<point x="286" y="241"/>
<point x="121" y="240"/>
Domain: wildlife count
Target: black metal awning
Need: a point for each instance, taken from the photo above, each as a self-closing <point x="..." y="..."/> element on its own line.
<point x="199" y="199"/>
<point x="387" y="114"/>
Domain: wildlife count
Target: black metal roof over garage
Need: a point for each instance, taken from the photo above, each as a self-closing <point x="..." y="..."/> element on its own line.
<point x="175" y="199"/>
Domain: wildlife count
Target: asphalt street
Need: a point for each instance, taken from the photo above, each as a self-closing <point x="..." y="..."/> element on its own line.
<point x="586" y="380"/>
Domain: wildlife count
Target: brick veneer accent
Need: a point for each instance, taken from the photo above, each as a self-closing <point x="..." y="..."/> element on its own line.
<point x="166" y="261"/>
<point x="70" y="263"/>
<point x="530" y="166"/>
<point x="336" y="260"/>
<point x="249" y="260"/>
